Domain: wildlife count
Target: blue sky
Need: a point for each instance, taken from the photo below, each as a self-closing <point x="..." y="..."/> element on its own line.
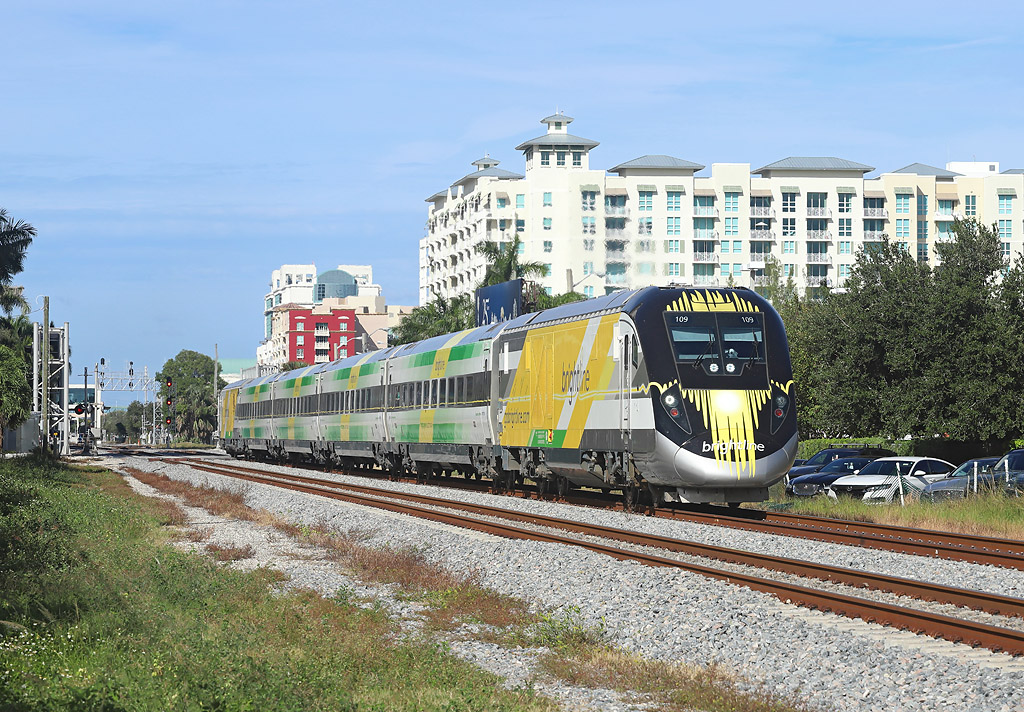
<point x="172" y="154"/>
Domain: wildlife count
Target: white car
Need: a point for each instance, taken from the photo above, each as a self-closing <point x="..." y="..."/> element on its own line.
<point x="879" y="480"/>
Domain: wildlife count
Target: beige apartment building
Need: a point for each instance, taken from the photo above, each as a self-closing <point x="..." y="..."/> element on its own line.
<point x="653" y="221"/>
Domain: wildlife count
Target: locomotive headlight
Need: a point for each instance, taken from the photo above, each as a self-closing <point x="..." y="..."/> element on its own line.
<point x="713" y="368"/>
<point x="670" y="400"/>
<point x="781" y="401"/>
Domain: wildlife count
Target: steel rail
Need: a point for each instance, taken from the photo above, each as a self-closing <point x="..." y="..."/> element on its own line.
<point x="938" y="625"/>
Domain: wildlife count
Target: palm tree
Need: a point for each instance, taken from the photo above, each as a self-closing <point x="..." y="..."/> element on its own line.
<point x="503" y="262"/>
<point x="15" y="237"/>
<point x="16" y="333"/>
<point x="440" y="316"/>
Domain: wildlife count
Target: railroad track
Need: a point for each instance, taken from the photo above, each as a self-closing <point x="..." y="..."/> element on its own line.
<point x="933" y="624"/>
<point x="968" y="548"/>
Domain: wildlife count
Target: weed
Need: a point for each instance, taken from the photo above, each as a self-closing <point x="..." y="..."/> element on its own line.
<point x="231" y="553"/>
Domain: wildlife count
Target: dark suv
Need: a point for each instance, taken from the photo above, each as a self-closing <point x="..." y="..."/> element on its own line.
<point x="821" y="458"/>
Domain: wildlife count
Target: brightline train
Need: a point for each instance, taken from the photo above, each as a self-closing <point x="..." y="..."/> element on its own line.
<point x="672" y="394"/>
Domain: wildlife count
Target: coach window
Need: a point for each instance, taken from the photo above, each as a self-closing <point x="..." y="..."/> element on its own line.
<point x="433" y="393"/>
<point x="458" y="389"/>
<point x="442" y="392"/>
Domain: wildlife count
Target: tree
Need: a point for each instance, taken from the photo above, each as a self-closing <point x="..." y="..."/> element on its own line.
<point x="15" y="237"/>
<point x="14" y="391"/>
<point x="503" y="262"/>
<point x="194" y="411"/>
<point x="440" y="316"/>
<point x="16" y="332"/>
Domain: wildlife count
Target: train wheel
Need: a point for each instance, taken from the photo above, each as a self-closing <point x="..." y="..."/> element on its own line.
<point x="543" y="487"/>
<point x="734" y="505"/>
<point x="631" y="497"/>
<point x="562" y="487"/>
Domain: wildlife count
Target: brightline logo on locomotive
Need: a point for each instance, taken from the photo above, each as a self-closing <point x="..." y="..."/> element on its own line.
<point x="731" y="446"/>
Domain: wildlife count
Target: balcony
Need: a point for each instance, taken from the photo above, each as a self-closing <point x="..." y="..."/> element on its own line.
<point x="617" y="210"/>
<point x="766" y="235"/>
<point x="873" y="235"/>
<point x="761" y="281"/>
<point x="762" y="212"/>
<point x="819" y="258"/>
<point x="876" y="213"/>
<point x="706" y="257"/>
<point x="705" y="235"/>
<point x="705" y="280"/>
<point x="818" y="212"/>
<point x="819" y="281"/>
<point x="615" y="234"/>
<point x="705" y="211"/>
<point x="944" y="217"/>
<point x="819" y="235"/>
<point x="758" y="260"/>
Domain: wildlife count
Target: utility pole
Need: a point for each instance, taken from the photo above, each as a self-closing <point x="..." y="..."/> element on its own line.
<point x="86" y="416"/>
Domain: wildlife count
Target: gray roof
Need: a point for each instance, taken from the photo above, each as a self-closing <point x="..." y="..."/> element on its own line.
<point x="815" y="163"/>
<point x="659" y="161"/>
<point x="1013" y="171"/>
<point x="557" y="139"/>
<point x="486" y="161"/>
<point x="921" y="169"/>
<point x="491" y="172"/>
<point x="557" y="117"/>
<point x="437" y="196"/>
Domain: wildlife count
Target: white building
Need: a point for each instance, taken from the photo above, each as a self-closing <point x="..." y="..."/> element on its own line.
<point x="653" y="220"/>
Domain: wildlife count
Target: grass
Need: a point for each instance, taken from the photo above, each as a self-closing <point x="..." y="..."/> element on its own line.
<point x="987" y="514"/>
<point x="101" y="615"/>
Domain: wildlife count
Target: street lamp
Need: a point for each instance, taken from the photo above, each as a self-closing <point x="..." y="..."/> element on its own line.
<point x="365" y="336"/>
<point x="572" y="285"/>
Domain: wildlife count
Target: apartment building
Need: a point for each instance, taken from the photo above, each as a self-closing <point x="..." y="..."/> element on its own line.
<point x="654" y="221"/>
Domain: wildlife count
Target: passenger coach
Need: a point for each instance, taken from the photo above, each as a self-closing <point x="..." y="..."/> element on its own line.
<point x="678" y="394"/>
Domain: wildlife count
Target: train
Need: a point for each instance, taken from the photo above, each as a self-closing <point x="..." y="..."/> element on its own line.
<point x="662" y="394"/>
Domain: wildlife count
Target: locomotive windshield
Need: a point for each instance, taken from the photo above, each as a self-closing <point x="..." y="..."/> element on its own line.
<point x="729" y="340"/>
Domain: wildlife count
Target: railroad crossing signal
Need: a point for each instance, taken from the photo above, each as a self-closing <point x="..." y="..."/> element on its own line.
<point x="79" y="409"/>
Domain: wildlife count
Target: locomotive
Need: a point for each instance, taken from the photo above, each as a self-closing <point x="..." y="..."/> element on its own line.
<point x="666" y="394"/>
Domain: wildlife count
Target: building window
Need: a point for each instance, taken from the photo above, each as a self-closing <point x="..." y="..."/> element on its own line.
<point x="789" y="202"/>
<point x="589" y="225"/>
<point x="673" y="226"/>
<point x="704" y="246"/>
<point x="547" y="200"/>
<point x="588" y="292"/>
<point x="589" y="200"/>
<point x="922" y="229"/>
<point x="817" y="201"/>
<point x="646" y="200"/>
<point x="902" y="227"/>
<point x="922" y="205"/>
<point x="548" y="245"/>
<point x="588" y="245"/>
<point x="904" y="246"/>
<point x="845" y="227"/>
<point x="845" y="247"/>
<point x="732" y="202"/>
<point x="1005" y="204"/>
<point x="789" y="247"/>
<point x="788" y="270"/>
<point x="300" y="354"/>
<point x="646" y="268"/>
<point x="547" y="269"/>
<point x="577" y="160"/>
<point x="672" y="269"/>
<point x="548" y="291"/>
<point x="844" y="271"/>
<point x="945" y="207"/>
<point x="545" y="158"/>
<point x="732" y="226"/>
<point x="704" y="228"/>
<point x="521" y="249"/>
<point x="547" y="223"/>
<point x="645" y="226"/>
<point x="671" y="245"/>
<point x="520" y="200"/>
<point x="502" y="202"/>
<point x="588" y="268"/>
<point x="520" y="225"/>
<point x="846" y="202"/>
<point x="1006" y="249"/>
<point x="561" y="158"/>
<point x="903" y="203"/>
<point x="674" y="201"/>
<point x="970" y="205"/>
<point x="1005" y="229"/>
<point x="277" y="299"/>
<point x="922" y="252"/>
<point x="788" y="227"/>
<point x="703" y="205"/>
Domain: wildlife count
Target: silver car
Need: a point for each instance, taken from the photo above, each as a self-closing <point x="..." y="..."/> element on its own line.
<point x="882" y="480"/>
<point x="960" y="481"/>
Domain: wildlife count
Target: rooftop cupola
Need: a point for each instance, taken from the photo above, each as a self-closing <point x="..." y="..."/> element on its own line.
<point x="486" y="162"/>
<point x="557" y="123"/>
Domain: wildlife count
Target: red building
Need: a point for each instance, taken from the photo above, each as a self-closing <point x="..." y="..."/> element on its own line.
<point x="321" y="334"/>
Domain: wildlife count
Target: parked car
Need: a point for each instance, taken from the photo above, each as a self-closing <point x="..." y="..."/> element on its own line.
<point x="877" y="481"/>
<point x="957" y="483"/>
<point x="821" y="458"/>
<point x="1010" y="470"/>
<point x="816" y="482"/>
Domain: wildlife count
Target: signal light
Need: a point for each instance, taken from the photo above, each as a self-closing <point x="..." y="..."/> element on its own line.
<point x="167" y="421"/>
<point x="169" y="382"/>
<point x="168" y="400"/>
<point x="778" y="412"/>
<point x="79" y="409"/>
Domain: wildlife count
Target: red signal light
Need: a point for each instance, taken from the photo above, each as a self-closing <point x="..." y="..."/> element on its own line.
<point x="79" y="409"/>
<point x="169" y="382"/>
<point x="168" y="401"/>
<point x="778" y="412"/>
<point x="167" y="421"/>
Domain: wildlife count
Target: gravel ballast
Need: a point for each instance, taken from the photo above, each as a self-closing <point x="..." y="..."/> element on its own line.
<point x="834" y="663"/>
